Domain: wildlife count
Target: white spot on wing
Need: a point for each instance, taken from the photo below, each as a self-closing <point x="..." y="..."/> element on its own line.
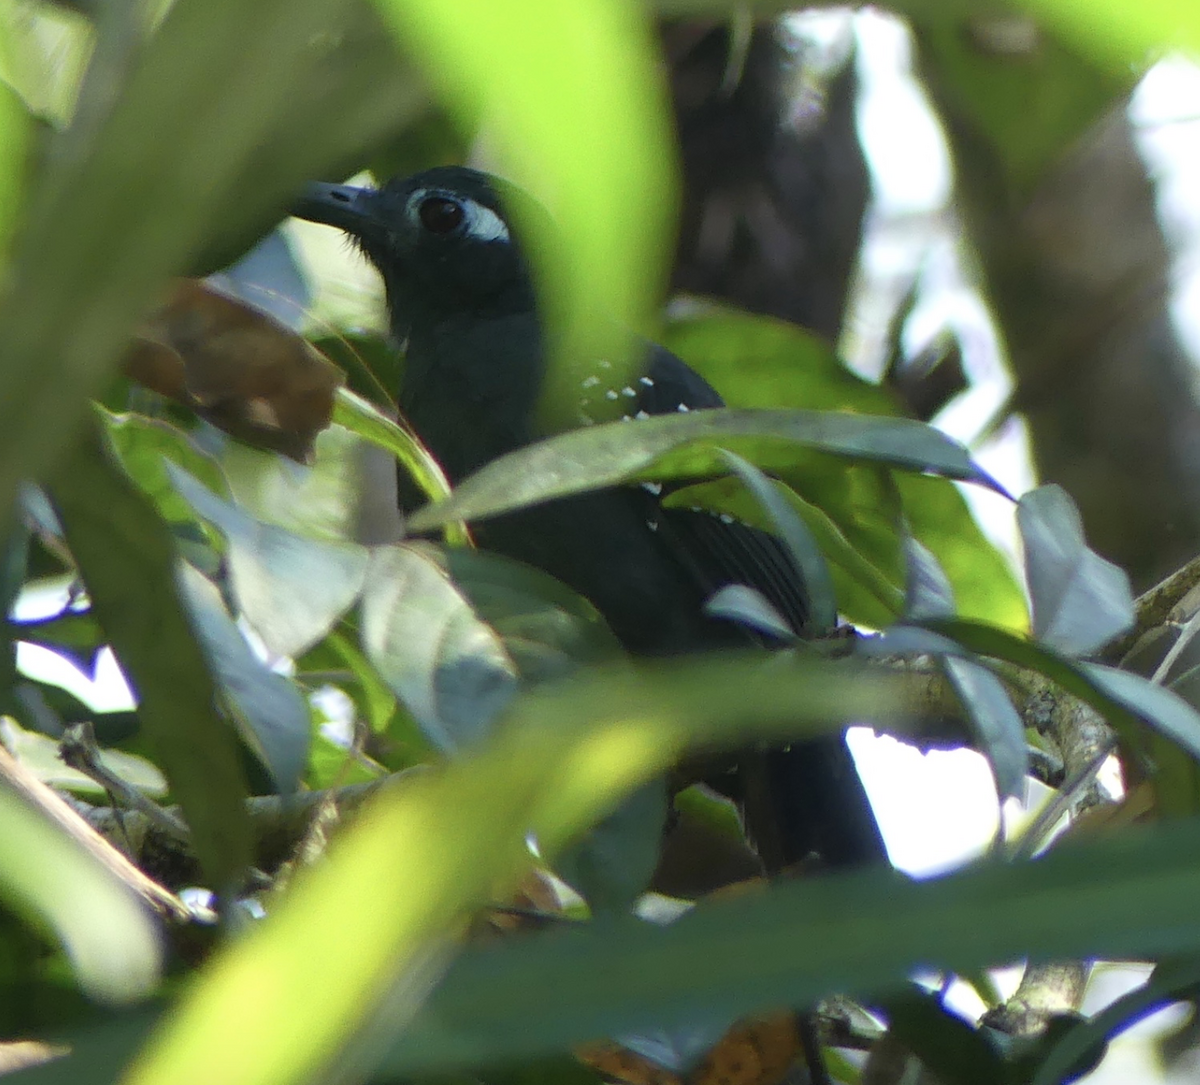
<point x="590" y="382"/>
<point x="683" y="408"/>
<point x="610" y="394"/>
<point x="652" y="525"/>
<point x="641" y="414"/>
<point x="652" y="487"/>
<point x="604" y="363"/>
<point x="627" y="391"/>
<point x="646" y="381"/>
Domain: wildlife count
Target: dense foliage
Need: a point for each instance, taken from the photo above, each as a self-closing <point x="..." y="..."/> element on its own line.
<point x="214" y="501"/>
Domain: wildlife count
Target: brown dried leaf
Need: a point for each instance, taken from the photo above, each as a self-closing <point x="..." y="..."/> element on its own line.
<point x="237" y="368"/>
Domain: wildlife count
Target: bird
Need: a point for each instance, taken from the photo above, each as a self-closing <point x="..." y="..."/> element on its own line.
<point x="461" y="302"/>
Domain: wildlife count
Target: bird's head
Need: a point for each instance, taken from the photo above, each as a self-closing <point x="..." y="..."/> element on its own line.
<point x="440" y="239"/>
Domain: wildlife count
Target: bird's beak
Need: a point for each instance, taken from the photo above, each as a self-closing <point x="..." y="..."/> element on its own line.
<point x="344" y="206"/>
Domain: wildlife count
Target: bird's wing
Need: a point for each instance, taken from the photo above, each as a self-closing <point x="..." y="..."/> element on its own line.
<point x="718" y="549"/>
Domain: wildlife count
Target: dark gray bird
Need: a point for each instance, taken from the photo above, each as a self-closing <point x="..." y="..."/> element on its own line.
<point x="461" y="301"/>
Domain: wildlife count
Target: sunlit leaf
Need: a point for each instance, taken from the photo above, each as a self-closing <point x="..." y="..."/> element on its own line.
<point x="15" y="125"/>
<point x="425" y="853"/>
<point x="45" y="872"/>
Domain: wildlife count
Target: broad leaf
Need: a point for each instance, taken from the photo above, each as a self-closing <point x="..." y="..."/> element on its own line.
<point x="449" y="668"/>
<point x="289" y="588"/>
<point x="1080" y="601"/>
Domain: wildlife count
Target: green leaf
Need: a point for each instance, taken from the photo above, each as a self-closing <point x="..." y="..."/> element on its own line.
<point x="368" y="422"/>
<point x="426" y="852"/>
<point x="865" y="595"/>
<point x="547" y="629"/>
<point x="128" y="564"/>
<point x="997" y="726"/>
<point x="793" y="531"/>
<point x="46" y="873"/>
<point x="145" y="446"/>
<point x="952" y="1048"/>
<point x="927" y="591"/>
<point x="15" y="133"/>
<point x="448" y="667"/>
<point x="291" y="589"/>
<point x="983" y="581"/>
<point x="683" y="446"/>
<point x="1123" y="698"/>
<point x="322" y="500"/>
<point x="40" y="755"/>
<point x="611" y="866"/>
<point x="797" y="942"/>
<point x="759" y="361"/>
<point x="739" y="603"/>
<point x="271" y="714"/>
<point x="1119" y="33"/>
<point x="1080" y="601"/>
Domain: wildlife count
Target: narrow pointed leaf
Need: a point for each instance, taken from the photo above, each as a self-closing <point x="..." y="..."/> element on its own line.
<point x="128" y="563"/>
<point x="803" y="548"/>
<point x="685" y="445"/>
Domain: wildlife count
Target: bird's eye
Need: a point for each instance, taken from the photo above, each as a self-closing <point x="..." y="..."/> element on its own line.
<point x="440" y="215"/>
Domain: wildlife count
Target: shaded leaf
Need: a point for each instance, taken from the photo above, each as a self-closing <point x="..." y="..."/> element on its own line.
<point x="145" y="446"/>
<point x="1080" y="600"/>
<point x="997" y="726"/>
<point x="128" y="564"/>
<point x="611" y="865"/>
<point x="149" y="172"/>
<point x="865" y="595"/>
<point x="271" y="714"/>
<point x="448" y="667"/>
<point x="927" y="591"/>
<point x="1123" y="698"/>
<point x="681" y="446"/>
<point x="289" y="588"/>
<point x="547" y="629"/>
<point x="40" y="755"/>
<point x="791" y="528"/>
<point x="739" y="603"/>
<point x="797" y="942"/>
<point x="952" y="1048"/>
